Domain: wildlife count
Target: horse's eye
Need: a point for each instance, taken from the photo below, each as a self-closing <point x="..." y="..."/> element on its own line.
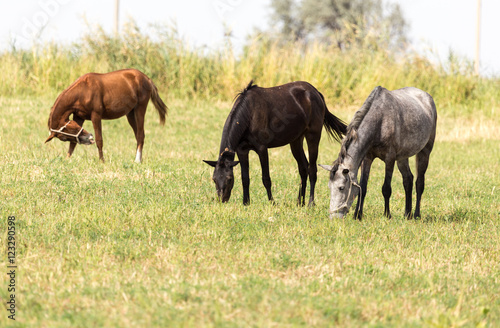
<point x="341" y="188"/>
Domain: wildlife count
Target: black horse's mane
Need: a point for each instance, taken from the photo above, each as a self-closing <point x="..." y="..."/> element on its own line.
<point x="238" y="120"/>
<point x="243" y="92"/>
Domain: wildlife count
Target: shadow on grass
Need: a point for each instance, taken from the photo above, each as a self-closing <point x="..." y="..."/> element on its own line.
<point x="457" y="215"/>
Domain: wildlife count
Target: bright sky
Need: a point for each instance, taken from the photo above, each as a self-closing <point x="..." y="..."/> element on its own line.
<point x="437" y="25"/>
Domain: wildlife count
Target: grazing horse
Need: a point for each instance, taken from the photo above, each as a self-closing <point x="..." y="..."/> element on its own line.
<point x="263" y="118"/>
<point x="392" y="126"/>
<point x="104" y="96"/>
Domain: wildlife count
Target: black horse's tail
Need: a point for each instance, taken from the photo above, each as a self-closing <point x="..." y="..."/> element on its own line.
<point x="334" y="126"/>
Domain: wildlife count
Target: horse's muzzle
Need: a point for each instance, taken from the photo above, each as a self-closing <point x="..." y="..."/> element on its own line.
<point x="337" y="215"/>
<point x="87" y="140"/>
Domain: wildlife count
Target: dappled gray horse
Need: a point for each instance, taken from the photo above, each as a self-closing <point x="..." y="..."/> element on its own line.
<point x="392" y="126"/>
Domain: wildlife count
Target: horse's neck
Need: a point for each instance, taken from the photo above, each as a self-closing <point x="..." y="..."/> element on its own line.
<point x="61" y="111"/>
<point x="357" y="151"/>
<point x="227" y="144"/>
<point x="231" y="135"/>
<point x="59" y="115"/>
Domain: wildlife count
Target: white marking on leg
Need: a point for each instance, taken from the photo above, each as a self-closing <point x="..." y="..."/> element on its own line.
<point x="138" y="156"/>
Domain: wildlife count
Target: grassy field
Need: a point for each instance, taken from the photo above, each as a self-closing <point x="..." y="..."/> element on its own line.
<point x="121" y="244"/>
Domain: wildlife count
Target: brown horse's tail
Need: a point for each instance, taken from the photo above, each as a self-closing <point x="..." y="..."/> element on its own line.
<point x="158" y="103"/>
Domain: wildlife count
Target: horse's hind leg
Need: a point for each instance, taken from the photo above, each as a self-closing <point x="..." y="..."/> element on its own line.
<point x="72" y="145"/>
<point x="133" y="124"/>
<point x="139" y="113"/>
<point x="312" y="145"/>
<point x="404" y="168"/>
<point x="300" y="157"/>
<point x="422" y="160"/>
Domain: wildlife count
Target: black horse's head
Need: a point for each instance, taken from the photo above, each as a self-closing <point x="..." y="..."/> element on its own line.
<point x="223" y="174"/>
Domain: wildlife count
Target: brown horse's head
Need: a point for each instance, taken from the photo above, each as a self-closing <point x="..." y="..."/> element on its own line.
<point x="73" y="132"/>
<point x="223" y="175"/>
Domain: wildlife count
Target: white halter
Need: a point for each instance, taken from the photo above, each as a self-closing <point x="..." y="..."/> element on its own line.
<point x="344" y="204"/>
<point x="68" y="134"/>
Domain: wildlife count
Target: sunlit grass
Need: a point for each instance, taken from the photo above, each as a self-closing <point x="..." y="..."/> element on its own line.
<point x="120" y="244"/>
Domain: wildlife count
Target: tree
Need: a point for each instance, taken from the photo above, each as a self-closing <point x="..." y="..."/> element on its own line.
<point x="340" y="21"/>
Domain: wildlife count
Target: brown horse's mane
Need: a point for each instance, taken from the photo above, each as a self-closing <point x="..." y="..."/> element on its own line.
<point x="71" y="86"/>
<point x="352" y="128"/>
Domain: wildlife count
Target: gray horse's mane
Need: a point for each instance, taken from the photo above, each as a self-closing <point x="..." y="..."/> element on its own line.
<point x="352" y="128"/>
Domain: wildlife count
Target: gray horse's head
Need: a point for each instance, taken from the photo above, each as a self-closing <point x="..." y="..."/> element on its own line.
<point x="343" y="189"/>
<point x="223" y="176"/>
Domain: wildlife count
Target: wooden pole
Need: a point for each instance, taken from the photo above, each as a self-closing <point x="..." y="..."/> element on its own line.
<point x="478" y="37"/>
<point x="117" y="13"/>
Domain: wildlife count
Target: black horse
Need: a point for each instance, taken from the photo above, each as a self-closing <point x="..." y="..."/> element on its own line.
<point x="263" y="118"/>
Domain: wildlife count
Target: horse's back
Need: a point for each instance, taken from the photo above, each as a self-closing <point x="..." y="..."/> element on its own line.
<point x="285" y="111"/>
<point x="115" y="93"/>
<point x="417" y="100"/>
<point x="409" y="120"/>
<point x="297" y="99"/>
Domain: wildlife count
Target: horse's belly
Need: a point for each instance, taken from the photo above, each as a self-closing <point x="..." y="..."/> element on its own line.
<point x="113" y="115"/>
<point x="411" y="146"/>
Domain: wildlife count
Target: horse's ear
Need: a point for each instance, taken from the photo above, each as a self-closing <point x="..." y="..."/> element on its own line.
<point x="211" y="163"/>
<point x="326" y="167"/>
<point x="52" y="135"/>
<point x="233" y="163"/>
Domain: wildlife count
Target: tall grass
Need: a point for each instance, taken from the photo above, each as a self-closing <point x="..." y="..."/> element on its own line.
<point x="345" y="76"/>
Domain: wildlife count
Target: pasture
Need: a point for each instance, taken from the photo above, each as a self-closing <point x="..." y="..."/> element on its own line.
<point x="124" y="244"/>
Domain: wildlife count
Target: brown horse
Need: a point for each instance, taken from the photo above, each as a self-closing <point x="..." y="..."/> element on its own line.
<point x="104" y="96"/>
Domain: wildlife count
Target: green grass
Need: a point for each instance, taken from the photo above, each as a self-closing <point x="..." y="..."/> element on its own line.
<point x="120" y="244"/>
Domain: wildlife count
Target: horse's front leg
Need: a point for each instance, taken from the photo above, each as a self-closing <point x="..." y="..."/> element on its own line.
<point x="386" y="188"/>
<point x="245" y="175"/>
<point x="266" y="177"/>
<point x="363" y="183"/>
<point x="96" y="122"/>
<point x="71" y="149"/>
<point x="72" y="145"/>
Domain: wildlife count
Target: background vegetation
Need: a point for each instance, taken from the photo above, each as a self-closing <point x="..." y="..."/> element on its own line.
<point x="344" y="76"/>
<point x="121" y="244"/>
